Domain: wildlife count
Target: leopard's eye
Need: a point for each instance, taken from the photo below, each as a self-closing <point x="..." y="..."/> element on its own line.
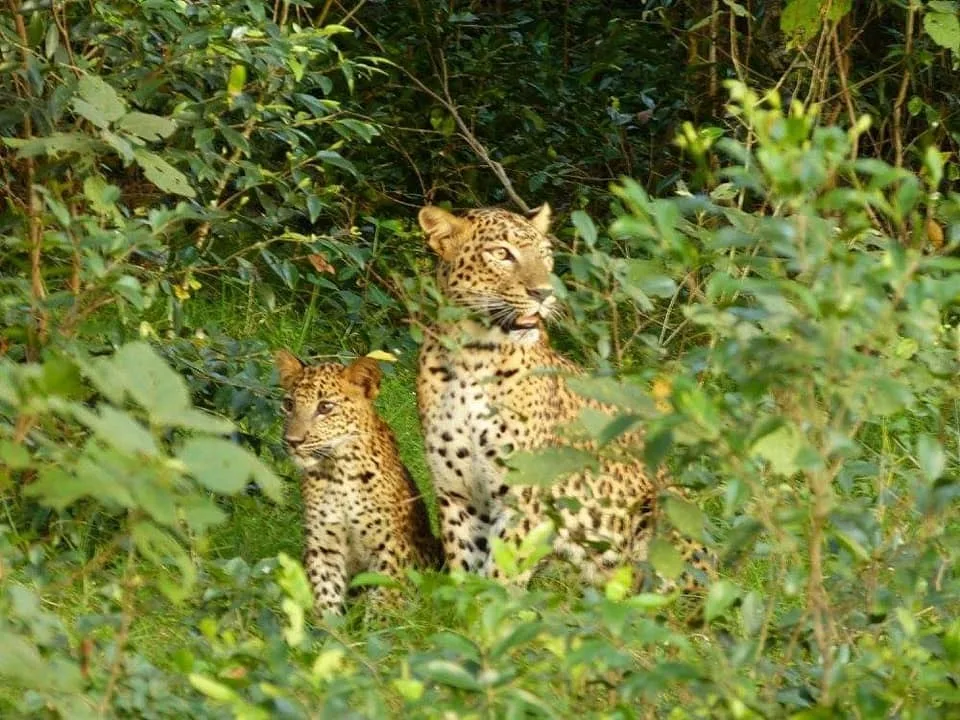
<point x="287" y="405"/>
<point x="502" y="254"/>
<point x="324" y="407"/>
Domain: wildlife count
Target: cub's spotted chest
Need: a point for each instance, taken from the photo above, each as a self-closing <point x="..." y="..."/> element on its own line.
<point x="362" y="511"/>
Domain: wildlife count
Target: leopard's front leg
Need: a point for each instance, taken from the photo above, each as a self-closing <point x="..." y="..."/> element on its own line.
<point x="464" y="530"/>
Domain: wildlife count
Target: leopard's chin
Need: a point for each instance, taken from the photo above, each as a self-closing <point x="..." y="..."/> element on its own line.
<point x="306" y="462"/>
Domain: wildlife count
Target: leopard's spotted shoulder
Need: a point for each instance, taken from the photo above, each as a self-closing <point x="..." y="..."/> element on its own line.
<point x="362" y="510"/>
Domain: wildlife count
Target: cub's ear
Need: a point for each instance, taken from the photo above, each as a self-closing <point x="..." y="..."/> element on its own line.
<point x="443" y="230"/>
<point x="289" y="366"/>
<point x="540" y="218"/>
<point x="365" y="374"/>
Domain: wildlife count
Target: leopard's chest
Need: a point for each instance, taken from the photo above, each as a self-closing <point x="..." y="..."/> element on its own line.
<point x="485" y="407"/>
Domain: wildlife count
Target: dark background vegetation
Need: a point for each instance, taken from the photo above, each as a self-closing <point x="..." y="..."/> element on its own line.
<point x="187" y="186"/>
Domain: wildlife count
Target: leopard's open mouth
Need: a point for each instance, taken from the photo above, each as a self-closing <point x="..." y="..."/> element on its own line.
<point x="527" y="322"/>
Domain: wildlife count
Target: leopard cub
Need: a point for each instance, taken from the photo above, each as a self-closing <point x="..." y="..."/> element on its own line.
<point x="362" y="510"/>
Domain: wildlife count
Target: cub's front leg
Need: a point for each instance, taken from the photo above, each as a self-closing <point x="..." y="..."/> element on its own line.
<point x="325" y="549"/>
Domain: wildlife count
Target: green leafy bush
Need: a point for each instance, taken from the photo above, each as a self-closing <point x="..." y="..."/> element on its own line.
<point x="795" y="366"/>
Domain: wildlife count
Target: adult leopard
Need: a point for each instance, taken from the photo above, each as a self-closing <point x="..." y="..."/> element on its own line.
<point x="490" y="384"/>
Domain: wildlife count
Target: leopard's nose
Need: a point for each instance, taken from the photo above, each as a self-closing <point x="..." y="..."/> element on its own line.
<point x="540" y="293"/>
<point x="293" y="441"/>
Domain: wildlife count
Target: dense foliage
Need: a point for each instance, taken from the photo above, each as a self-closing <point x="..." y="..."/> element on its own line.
<point x="767" y="279"/>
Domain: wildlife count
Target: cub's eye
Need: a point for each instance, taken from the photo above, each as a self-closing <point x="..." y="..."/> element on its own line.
<point x="287" y="405"/>
<point x="324" y="407"/>
<point x="501" y="254"/>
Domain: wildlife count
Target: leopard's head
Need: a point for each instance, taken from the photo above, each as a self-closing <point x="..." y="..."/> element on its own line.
<point x="495" y="262"/>
<point x="326" y="407"/>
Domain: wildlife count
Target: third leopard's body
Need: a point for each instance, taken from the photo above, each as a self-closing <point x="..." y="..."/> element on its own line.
<point x="492" y="384"/>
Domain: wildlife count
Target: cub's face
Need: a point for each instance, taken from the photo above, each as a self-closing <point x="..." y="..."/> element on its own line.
<point x="326" y="407"/>
<point x="495" y="262"/>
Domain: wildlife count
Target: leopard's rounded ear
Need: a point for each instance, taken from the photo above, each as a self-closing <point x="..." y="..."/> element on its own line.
<point x="365" y="374"/>
<point x="443" y="230"/>
<point x="289" y="367"/>
<point x="540" y="218"/>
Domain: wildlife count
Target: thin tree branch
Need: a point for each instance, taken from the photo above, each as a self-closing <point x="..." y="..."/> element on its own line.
<point x="446" y="100"/>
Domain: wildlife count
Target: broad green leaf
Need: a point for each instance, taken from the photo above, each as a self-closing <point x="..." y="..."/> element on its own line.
<point x="837" y="9"/>
<point x="22" y="666"/>
<point x="293" y="633"/>
<point x="780" y="449"/>
<point x="543" y="467"/>
<point x="449" y="673"/>
<point x="931" y="457"/>
<point x="363" y="130"/>
<point x="665" y="558"/>
<point x="329" y="664"/>
<point x="585" y="227"/>
<point x="650" y="601"/>
<point x="58" y="489"/>
<point x="153" y="384"/>
<point x="293" y="579"/>
<point x="721" y="596"/>
<point x="373" y="579"/>
<point x="944" y="29"/>
<point x="100" y="473"/>
<point x="120" y="430"/>
<point x="331" y="157"/>
<point x="91" y="113"/>
<point x="801" y="19"/>
<point x="518" y="635"/>
<point x="101" y="195"/>
<point x="146" y="126"/>
<point x="382" y="355"/>
<point x="14" y="455"/>
<point x="236" y="80"/>
<point x="224" y="467"/>
<point x="53" y="144"/>
<point x="699" y="407"/>
<point x="201" y="512"/>
<point x="161" y="548"/>
<point x="620" y="584"/>
<point x="685" y="516"/>
<point x="933" y="164"/>
<point x="52" y="41"/>
<point x="98" y="102"/>
<point x="156" y="500"/>
<point x="617" y="427"/>
<point x="536" y="545"/>
<point x="505" y="557"/>
<point x="752" y="612"/>
<point x="648" y="277"/>
<point x="211" y="688"/>
<point x="199" y="420"/>
<point x="613" y="392"/>
<point x="409" y="690"/>
<point x="162" y="174"/>
<point x="120" y="143"/>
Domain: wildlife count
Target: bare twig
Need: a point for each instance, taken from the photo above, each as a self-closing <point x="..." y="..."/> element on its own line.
<point x="446" y="100"/>
<point x="712" y="52"/>
<point x="126" y="620"/>
<point x="34" y="227"/>
<point x="904" y="86"/>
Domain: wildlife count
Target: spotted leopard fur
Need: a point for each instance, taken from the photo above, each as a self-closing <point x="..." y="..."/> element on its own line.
<point x="361" y="509"/>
